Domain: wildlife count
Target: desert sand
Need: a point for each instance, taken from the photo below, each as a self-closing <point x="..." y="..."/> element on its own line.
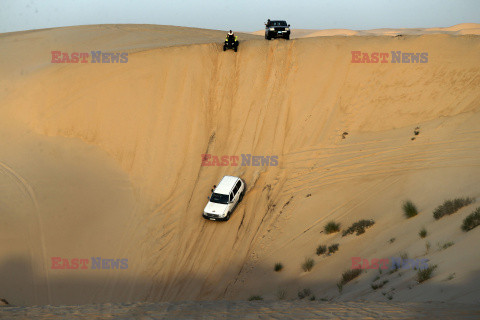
<point x="459" y="29"/>
<point x="104" y="160"/>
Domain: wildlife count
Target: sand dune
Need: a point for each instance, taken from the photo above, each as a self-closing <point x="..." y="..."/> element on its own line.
<point x="104" y="160"/>
<point x="459" y="29"/>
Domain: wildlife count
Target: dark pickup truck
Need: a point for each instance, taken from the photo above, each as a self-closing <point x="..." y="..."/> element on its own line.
<point x="277" y="29"/>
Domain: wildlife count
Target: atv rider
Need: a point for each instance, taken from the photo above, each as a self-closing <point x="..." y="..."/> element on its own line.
<point x="231" y="41"/>
<point x="231" y="37"/>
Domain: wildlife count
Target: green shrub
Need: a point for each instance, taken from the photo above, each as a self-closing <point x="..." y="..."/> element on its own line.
<point x="445" y="245"/>
<point x="423" y="233"/>
<point x="332" y="227"/>
<point x="308" y="264"/>
<point x="340" y="287"/>
<point x="333" y="248"/>
<point x="451" y="206"/>
<point x="278" y="267"/>
<point x="358" y="227"/>
<point x="349" y="275"/>
<point x="376" y="286"/>
<point x="409" y="209"/>
<point x="321" y="249"/>
<point x="425" y="274"/>
<point x="304" y="293"/>
<point x="427" y="247"/>
<point x="451" y="276"/>
<point x="253" y="298"/>
<point x="471" y="221"/>
<point x="282" y="294"/>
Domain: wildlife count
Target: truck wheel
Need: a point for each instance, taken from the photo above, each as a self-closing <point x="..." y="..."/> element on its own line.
<point x="235" y="49"/>
<point x="224" y="48"/>
<point x="287" y="37"/>
<point x="227" y="217"/>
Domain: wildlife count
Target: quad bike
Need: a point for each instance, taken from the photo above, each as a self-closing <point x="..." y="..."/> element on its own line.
<point x="231" y="43"/>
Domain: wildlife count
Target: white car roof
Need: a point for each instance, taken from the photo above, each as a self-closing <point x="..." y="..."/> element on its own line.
<point x="226" y="185"/>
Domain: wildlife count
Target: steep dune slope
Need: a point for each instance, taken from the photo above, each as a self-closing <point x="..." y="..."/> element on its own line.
<point x="157" y="114"/>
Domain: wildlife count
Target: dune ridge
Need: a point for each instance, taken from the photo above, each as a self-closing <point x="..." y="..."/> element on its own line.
<point x="459" y="29"/>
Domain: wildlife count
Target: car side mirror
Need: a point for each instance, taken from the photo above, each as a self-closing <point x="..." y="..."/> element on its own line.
<point x="211" y="190"/>
<point x="289" y="25"/>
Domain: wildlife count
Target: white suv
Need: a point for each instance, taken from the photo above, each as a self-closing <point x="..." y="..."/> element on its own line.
<point x="224" y="199"/>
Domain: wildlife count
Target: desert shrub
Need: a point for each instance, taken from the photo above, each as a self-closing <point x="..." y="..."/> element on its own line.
<point x="304" y="293"/>
<point x="332" y="227"/>
<point x="253" y="298"/>
<point x="423" y="233"/>
<point x="333" y="248"/>
<point x="427" y="247"/>
<point x="321" y="249"/>
<point x="398" y="264"/>
<point x="308" y="264"/>
<point x="409" y="209"/>
<point x="445" y="245"/>
<point x="376" y="286"/>
<point x="425" y="274"/>
<point x="451" y="276"/>
<point x="451" y="206"/>
<point x="278" y="266"/>
<point x="312" y="298"/>
<point x="471" y="221"/>
<point x="349" y="275"/>
<point x="340" y="287"/>
<point x="281" y="294"/>
<point x="392" y="240"/>
<point x="358" y="227"/>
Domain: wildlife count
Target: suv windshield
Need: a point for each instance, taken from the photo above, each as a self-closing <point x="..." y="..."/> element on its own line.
<point x="278" y="23"/>
<point x="219" y="198"/>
